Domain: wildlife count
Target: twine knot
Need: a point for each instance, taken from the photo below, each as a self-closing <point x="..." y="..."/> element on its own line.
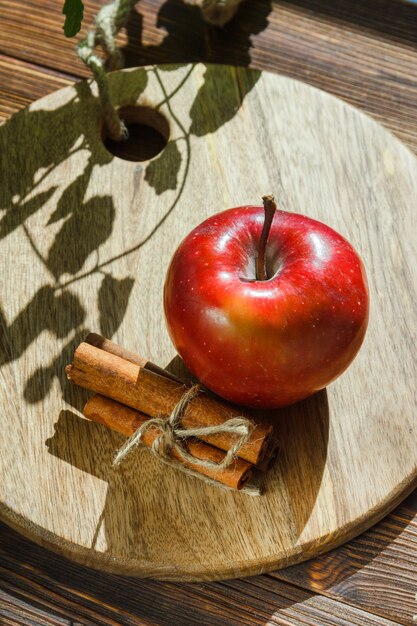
<point x="173" y="437"/>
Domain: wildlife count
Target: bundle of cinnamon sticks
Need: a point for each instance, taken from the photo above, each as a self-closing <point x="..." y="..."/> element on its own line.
<point x="130" y="391"/>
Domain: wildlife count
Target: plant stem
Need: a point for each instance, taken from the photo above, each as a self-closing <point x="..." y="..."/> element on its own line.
<point x="270" y="207"/>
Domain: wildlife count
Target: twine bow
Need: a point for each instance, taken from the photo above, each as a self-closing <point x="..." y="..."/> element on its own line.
<point x="173" y="437"/>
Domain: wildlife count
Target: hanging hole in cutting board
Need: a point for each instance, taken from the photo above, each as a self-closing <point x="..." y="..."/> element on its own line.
<point x="148" y="134"/>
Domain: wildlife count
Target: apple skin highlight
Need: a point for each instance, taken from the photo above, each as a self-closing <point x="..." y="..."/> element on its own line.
<point x="266" y="343"/>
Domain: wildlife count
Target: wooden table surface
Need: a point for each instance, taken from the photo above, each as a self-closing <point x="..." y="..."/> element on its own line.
<point x="366" y="54"/>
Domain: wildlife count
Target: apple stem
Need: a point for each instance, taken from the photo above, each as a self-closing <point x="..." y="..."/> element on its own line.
<point x="270" y="207"/>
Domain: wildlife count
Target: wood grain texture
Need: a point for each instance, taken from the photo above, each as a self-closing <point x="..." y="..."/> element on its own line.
<point x="21" y="83"/>
<point x="375" y="69"/>
<point x="81" y="231"/>
<point x="23" y="610"/>
<point x="39" y="582"/>
<point x="376" y="571"/>
<point x="365" y="53"/>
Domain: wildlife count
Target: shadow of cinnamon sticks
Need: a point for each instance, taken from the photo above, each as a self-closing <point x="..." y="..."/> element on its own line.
<point x="302" y="431"/>
<point x="75" y="442"/>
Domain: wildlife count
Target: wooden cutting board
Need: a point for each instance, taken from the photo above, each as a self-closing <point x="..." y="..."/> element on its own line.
<point x="85" y="242"/>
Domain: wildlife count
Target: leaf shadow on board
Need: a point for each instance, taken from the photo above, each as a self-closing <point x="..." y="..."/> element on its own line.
<point x="61" y="312"/>
<point x="13" y="219"/>
<point x="57" y="227"/>
<point x="162" y="172"/>
<point x="96" y="218"/>
<point x="62" y="227"/>
<point x="75" y="225"/>
<point x="220" y="97"/>
<point x="113" y="300"/>
<point x="40" y="381"/>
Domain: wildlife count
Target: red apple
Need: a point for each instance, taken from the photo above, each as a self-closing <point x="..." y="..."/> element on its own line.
<point x="266" y="329"/>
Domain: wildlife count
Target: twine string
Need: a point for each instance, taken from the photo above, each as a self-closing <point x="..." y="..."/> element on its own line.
<point x="108" y="22"/>
<point x="173" y="437"/>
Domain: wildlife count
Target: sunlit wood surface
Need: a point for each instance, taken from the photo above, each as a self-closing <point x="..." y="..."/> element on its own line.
<point x="366" y="57"/>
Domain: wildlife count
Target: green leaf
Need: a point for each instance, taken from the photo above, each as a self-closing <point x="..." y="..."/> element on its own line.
<point x="73" y="11"/>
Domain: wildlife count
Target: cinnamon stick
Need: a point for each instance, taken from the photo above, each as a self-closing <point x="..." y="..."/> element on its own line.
<point x="155" y="395"/>
<point x="107" y="345"/>
<point x="126" y="421"/>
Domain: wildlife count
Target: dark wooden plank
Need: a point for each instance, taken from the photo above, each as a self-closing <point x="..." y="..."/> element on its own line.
<point x="21" y="83"/>
<point x="376" y="571"/>
<point x="37" y="582"/>
<point x="14" y="610"/>
<point x="365" y="54"/>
